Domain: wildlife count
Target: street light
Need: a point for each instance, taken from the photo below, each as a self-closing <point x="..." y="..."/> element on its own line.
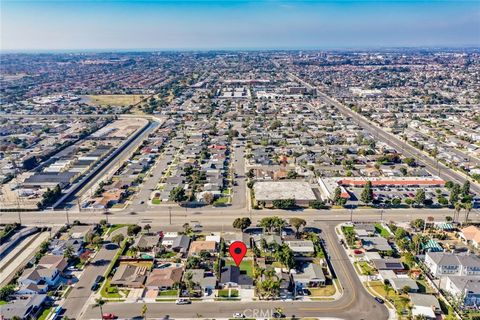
<point x="66" y="214"/>
<point x="170" y="214"/>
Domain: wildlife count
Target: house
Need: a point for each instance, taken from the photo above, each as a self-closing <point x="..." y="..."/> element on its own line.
<point x="311" y="276"/>
<point x="40" y="275"/>
<point x="471" y="235"/>
<point x="198" y="246"/>
<point x="231" y="276"/>
<point x="231" y="237"/>
<point x="367" y="227"/>
<point x="147" y="242"/>
<point x="269" y="239"/>
<point x="377" y="244"/>
<point x="399" y="284"/>
<point x="205" y="281"/>
<point x="130" y="276"/>
<point x="444" y="264"/>
<point x="181" y="244"/>
<point x="23" y="308"/>
<point x="79" y="231"/>
<point x="52" y="261"/>
<point x="424" y="304"/>
<point x="58" y="246"/>
<point x="164" y="277"/>
<point x="169" y="238"/>
<point x="467" y="287"/>
<point x="388" y="264"/>
<point x="301" y="247"/>
<point x="26" y="289"/>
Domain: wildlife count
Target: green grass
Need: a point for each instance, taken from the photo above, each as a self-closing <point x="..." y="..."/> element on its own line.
<point x="221" y="201"/>
<point x="326" y="291"/>
<point x="245" y="265"/>
<point x="223" y="293"/>
<point x="346" y="229"/>
<point x="109" y="292"/>
<point x="116" y="227"/>
<point x="365" y="268"/>
<point x="156" y="201"/>
<point x="45" y="313"/>
<point x="168" y="293"/>
<point x="383" y="232"/>
<point x="3" y="302"/>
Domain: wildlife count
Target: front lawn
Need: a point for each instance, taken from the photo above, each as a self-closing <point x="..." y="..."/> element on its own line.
<point x="168" y="293"/>
<point x="224" y="293"/>
<point x="221" y="201"/>
<point x="326" y="291"/>
<point x="45" y="313"/>
<point x="109" y="292"/>
<point x="115" y="227"/>
<point x="382" y="231"/>
<point x="156" y="201"/>
<point x="365" y="268"/>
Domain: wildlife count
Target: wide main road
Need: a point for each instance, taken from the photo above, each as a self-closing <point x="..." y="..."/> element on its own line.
<point x="431" y="164"/>
<point x="355" y="303"/>
<point x="223" y="217"/>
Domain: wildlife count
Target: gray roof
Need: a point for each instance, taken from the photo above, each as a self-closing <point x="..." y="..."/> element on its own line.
<point x="375" y="243"/>
<point x="201" y="277"/>
<point x="232" y="274"/>
<point x="388" y="264"/>
<point x="311" y="272"/>
<point x="424" y="300"/>
<point x="22" y="308"/>
<point x="147" y="241"/>
<point x="468" y="283"/>
<point x="400" y="283"/>
<point x="181" y="243"/>
<point x="450" y="259"/>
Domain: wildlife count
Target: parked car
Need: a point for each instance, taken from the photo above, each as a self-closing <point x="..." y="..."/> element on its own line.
<point x="183" y="301"/>
<point x="238" y="315"/>
<point x="379" y="300"/>
<point x="109" y="316"/>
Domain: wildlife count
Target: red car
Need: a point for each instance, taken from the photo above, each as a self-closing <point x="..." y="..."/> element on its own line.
<point x="109" y="316"/>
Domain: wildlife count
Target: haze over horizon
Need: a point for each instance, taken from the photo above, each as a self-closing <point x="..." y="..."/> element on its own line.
<point x="199" y="25"/>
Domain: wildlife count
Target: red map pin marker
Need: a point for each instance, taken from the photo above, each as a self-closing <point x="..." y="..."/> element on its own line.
<point x="237" y="250"/>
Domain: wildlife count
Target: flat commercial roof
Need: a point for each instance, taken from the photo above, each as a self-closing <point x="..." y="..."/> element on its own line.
<point x="281" y="190"/>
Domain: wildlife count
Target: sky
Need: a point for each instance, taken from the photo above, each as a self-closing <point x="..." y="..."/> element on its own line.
<point x="203" y="25"/>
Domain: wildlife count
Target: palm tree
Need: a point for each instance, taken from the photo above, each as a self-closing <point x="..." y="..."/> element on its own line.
<point x="458" y="207"/>
<point x="468" y="207"/>
<point x="99" y="302"/>
<point x="144" y="311"/>
<point x="387" y="290"/>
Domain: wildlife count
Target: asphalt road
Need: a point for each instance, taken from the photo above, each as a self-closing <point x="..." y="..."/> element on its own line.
<point x="355" y="303"/>
<point x="239" y="190"/>
<point x="81" y="291"/>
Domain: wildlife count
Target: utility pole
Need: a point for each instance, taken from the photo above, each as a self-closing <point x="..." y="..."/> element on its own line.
<point x="351" y="214"/>
<point x="381" y="215"/>
<point x="66" y="214"/>
<point x="170" y="214"/>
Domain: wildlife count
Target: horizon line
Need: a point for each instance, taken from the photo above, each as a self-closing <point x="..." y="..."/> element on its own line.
<point x="213" y="49"/>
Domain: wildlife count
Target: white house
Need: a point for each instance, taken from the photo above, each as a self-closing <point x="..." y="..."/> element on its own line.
<point x="467" y="287"/>
<point x="445" y="264"/>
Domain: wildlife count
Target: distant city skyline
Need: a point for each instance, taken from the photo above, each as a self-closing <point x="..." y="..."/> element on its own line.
<point x="202" y="25"/>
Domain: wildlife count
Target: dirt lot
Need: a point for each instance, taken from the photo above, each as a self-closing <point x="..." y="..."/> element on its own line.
<point x="113" y="100"/>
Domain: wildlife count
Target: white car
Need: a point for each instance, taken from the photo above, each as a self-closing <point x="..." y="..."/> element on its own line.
<point x="183" y="301"/>
<point x="238" y="315"/>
